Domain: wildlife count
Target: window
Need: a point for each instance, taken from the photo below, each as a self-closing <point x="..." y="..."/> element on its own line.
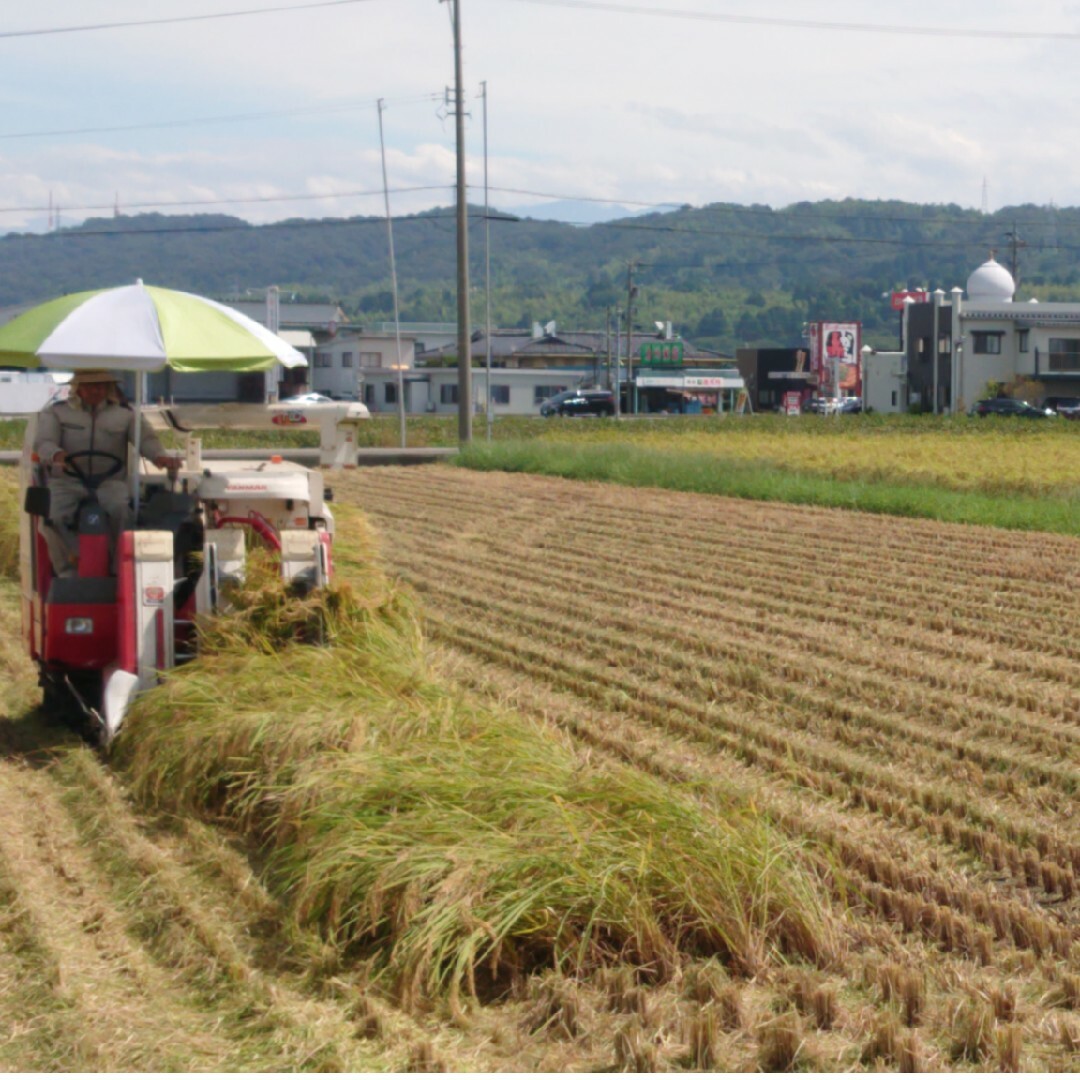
<point x="894" y="399"/>
<point x="448" y="394"/>
<point x="323" y="359"/>
<point x="370" y="359"/>
<point x="369" y="394"/>
<point x="500" y="394"/>
<point x="346" y="359"/>
<point x="986" y="343"/>
<point x="390" y="393"/>
<point x="542" y="393"/>
<point x="944" y="345"/>
<point x="1064" y="354"/>
<point x="1022" y="339"/>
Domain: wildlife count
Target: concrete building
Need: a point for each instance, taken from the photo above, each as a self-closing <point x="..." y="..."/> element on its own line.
<point x="769" y="374"/>
<point x="959" y="347"/>
<point x="885" y="383"/>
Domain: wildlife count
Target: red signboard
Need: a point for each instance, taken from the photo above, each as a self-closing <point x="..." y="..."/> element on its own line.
<point x="919" y="296"/>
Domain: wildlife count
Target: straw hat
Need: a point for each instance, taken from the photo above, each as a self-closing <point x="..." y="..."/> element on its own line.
<point x="92" y="375"/>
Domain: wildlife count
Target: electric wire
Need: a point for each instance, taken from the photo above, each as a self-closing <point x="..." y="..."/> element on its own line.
<point x="223" y="119"/>
<point x="170" y="19"/>
<point x="308" y="197"/>
<point x="810" y="24"/>
<point x="436" y="218"/>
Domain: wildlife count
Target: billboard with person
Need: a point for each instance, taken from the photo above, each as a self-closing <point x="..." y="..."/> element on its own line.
<point x="835" y="358"/>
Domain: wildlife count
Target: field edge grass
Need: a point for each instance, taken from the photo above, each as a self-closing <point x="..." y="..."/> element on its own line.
<point x="712" y="474"/>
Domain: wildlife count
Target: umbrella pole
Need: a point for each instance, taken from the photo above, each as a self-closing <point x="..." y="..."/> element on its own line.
<point x="137" y="440"/>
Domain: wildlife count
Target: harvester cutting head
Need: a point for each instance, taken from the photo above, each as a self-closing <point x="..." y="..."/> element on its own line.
<point x="108" y="625"/>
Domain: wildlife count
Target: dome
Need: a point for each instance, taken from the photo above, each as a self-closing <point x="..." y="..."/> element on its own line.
<point x="991" y="281"/>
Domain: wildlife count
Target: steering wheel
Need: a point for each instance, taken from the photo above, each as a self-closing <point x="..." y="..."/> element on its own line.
<point x="92" y="482"/>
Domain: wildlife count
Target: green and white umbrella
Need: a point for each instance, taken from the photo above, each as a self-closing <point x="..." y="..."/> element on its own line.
<point x="141" y="328"/>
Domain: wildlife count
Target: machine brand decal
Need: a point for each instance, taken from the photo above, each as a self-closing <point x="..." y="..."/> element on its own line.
<point x="245" y="487"/>
<point x="153" y="596"/>
<point x="288" y="419"/>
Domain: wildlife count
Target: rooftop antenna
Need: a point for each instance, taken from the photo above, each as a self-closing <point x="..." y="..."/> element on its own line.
<point x="985" y="198"/>
<point x="116" y="206"/>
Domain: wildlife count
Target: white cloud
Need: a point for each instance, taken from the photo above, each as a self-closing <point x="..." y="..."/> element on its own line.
<point x="582" y="103"/>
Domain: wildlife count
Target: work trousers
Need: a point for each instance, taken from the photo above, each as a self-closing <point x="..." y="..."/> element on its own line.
<point x="65" y="494"/>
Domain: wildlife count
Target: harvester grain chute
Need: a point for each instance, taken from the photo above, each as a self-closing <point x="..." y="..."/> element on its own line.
<point x="110" y="624"/>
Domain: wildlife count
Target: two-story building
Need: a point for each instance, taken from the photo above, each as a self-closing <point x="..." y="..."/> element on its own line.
<point x="959" y="345"/>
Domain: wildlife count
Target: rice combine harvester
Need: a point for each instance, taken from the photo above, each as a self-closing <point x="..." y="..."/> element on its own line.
<point x="99" y="637"/>
<point x="103" y="633"/>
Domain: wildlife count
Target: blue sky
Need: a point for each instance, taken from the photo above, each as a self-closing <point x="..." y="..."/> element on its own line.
<point x="587" y="100"/>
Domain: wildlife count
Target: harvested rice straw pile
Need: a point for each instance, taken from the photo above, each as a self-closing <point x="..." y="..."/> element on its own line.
<point x="442" y="841"/>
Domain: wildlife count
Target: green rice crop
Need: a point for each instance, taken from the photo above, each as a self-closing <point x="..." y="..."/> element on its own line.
<point x="9" y="523"/>
<point x="711" y="473"/>
<point x="450" y="845"/>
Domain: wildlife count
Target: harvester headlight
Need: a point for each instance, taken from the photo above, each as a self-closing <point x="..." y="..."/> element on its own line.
<point x="79" y="626"/>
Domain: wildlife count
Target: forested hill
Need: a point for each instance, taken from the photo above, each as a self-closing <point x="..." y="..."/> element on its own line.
<point x="724" y="274"/>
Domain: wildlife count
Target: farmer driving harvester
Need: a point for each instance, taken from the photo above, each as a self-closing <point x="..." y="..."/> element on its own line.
<point x="83" y="442"/>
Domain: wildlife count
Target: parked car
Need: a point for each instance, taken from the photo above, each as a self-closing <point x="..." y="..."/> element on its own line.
<point x="580" y="403"/>
<point x="1010" y="407"/>
<point x="850" y="405"/>
<point x="1069" y="407"/>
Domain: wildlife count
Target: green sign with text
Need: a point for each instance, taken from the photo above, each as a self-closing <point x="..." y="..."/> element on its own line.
<point x="661" y="353"/>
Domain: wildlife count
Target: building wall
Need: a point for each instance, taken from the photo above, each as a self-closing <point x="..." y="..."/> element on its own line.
<point x="770" y="373"/>
<point x="885" y="386"/>
<point x="434" y="390"/>
<point x="984" y="342"/>
<point x="341" y="365"/>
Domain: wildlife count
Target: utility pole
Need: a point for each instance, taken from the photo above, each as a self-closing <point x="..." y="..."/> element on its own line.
<point x="631" y="292"/>
<point x="487" y="272"/>
<point x="618" y="368"/>
<point x="1015" y="243"/>
<point x="464" y="336"/>
<point x="607" y="339"/>
<point x="399" y="367"/>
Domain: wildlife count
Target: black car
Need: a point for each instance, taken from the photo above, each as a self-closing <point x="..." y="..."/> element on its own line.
<point x="1010" y="407"/>
<point x="580" y="403"/>
<point x="1069" y="407"/>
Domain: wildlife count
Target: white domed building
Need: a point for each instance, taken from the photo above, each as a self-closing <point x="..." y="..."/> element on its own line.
<point x="991" y="283"/>
<point x="984" y="336"/>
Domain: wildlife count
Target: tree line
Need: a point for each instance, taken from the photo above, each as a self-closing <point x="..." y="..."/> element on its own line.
<point x="726" y="275"/>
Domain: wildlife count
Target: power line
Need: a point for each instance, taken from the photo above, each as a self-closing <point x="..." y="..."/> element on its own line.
<point x="223" y="119"/>
<point x="308" y="223"/>
<point x="810" y="24"/>
<point x="732" y="209"/>
<point x="176" y="19"/>
<point x="775" y="214"/>
<point x="234" y="202"/>
<point x="437" y="217"/>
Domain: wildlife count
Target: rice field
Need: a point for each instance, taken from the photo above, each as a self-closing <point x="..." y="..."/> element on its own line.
<point x="578" y="777"/>
<point x="900" y="697"/>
